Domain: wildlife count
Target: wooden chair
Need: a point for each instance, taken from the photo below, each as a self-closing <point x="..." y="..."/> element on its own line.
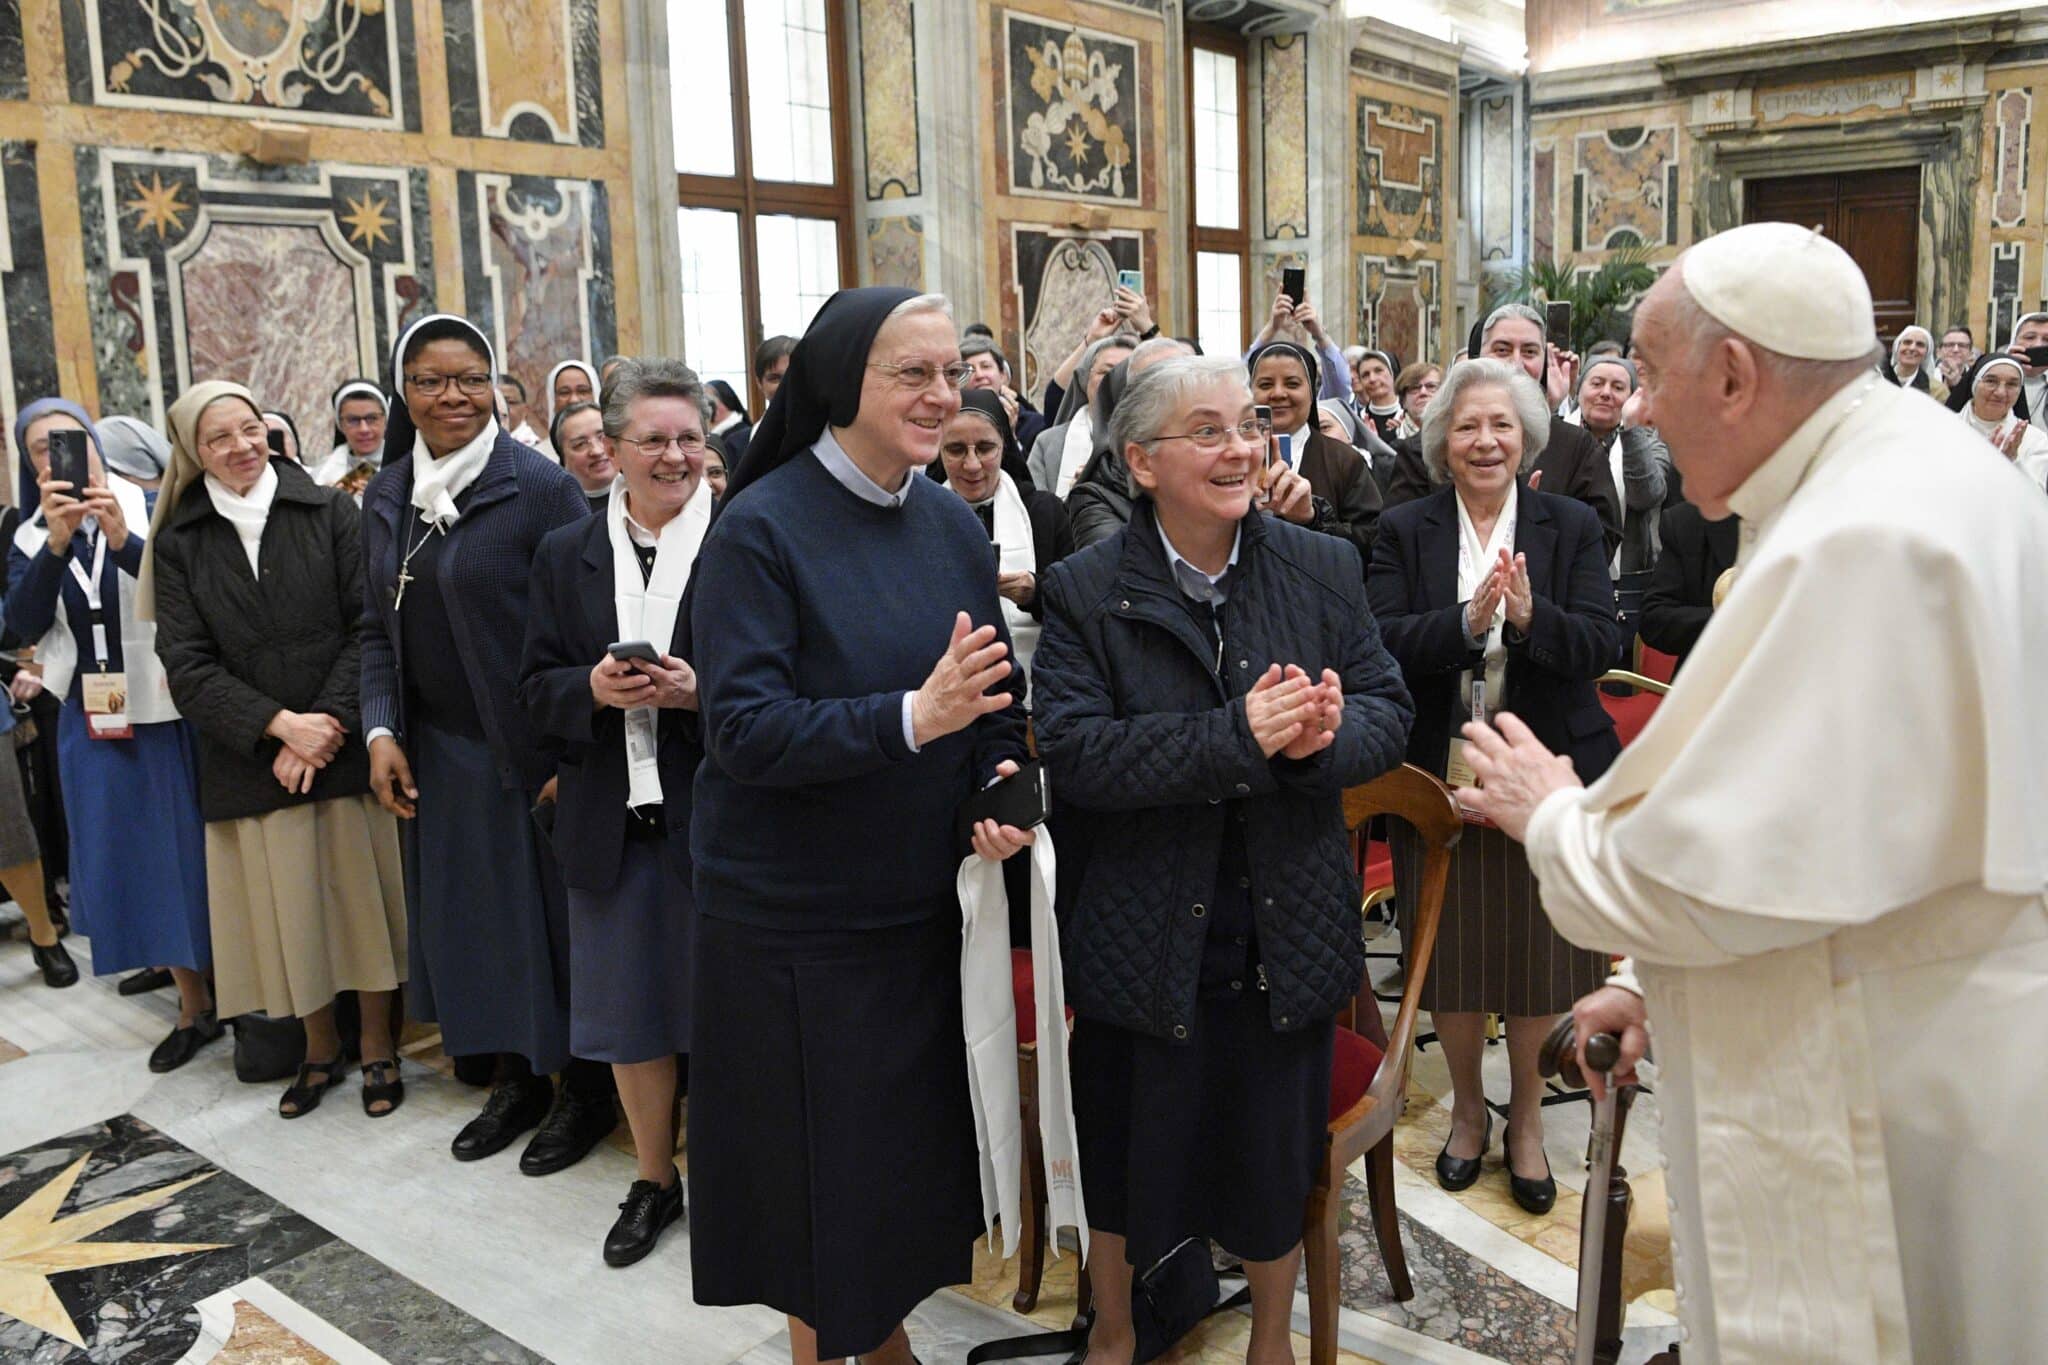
<point x="1366" y="1087"/>
<point x="1034" y="1234"/>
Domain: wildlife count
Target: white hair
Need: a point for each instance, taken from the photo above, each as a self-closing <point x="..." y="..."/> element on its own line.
<point x="1511" y="310"/>
<point x="923" y="303"/>
<point x="1532" y="411"/>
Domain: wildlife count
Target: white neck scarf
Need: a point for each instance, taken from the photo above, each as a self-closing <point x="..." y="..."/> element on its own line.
<point x="246" y="512"/>
<point x="1018" y="555"/>
<point x="1079" y="445"/>
<point x="1990" y="430"/>
<point x="437" y="483"/>
<point x="1475" y="561"/>
<point x="647" y="611"/>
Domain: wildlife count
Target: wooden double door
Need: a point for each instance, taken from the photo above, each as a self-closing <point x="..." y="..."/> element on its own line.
<point x="1873" y="215"/>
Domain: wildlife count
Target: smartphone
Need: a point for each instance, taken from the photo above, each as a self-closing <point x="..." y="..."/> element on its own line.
<point x="1133" y="280"/>
<point x="626" y="650"/>
<point x="1264" y="415"/>
<point x="1285" y="440"/>
<point x="68" y="460"/>
<point x="1022" y="799"/>
<point x="2036" y="356"/>
<point x="1294" y="283"/>
<point x="1557" y="324"/>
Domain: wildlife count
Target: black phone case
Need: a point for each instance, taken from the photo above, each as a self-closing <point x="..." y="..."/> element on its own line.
<point x="1020" y="800"/>
<point x="68" y="463"/>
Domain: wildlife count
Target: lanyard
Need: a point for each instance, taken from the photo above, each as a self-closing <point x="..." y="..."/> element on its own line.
<point x="91" y="584"/>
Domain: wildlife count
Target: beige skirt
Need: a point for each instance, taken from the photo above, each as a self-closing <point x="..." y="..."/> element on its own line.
<point x="306" y="901"/>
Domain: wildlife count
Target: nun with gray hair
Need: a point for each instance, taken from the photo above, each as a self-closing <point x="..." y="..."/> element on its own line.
<point x="1494" y="596"/>
<point x="1062" y="450"/>
<point x="1209" y="682"/>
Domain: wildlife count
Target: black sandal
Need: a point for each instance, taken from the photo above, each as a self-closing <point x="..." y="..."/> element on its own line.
<point x="305" y="1095"/>
<point x="391" y="1092"/>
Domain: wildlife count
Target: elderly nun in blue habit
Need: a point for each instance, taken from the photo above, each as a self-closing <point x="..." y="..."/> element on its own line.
<point x="131" y="787"/>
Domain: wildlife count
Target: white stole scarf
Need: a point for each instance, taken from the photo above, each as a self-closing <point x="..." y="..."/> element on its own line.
<point x="647" y="611"/>
<point x="1074" y="453"/>
<point x="989" y="1011"/>
<point x="1019" y="555"/>
<point x="248" y="512"/>
<point x="1475" y="561"/>
<point x="149" y="691"/>
<point x="437" y="483"/>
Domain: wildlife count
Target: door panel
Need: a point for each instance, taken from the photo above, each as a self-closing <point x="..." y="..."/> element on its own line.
<point x="1874" y="215"/>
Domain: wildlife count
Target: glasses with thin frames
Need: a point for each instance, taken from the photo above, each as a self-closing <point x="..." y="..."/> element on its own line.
<point x="1210" y="437"/>
<point x="653" y="447"/>
<point x="245" y="434"/>
<point x="916" y="375"/>
<point x="433" y="385"/>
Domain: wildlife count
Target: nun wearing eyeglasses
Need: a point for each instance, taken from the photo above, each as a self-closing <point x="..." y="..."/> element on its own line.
<point x="854" y="674"/>
<point x="450" y="528"/>
<point x="360" y="411"/>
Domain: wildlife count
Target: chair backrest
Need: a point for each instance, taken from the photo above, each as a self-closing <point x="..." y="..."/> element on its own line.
<point x="1418" y="797"/>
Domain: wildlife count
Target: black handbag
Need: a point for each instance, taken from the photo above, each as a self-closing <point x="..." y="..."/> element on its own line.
<point x="1167" y="1302"/>
<point x="267" y="1049"/>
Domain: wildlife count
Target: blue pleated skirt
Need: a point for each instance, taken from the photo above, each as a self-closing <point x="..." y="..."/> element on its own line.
<point x="631" y="957"/>
<point x="138" y="845"/>
<point x="484" y="903"/>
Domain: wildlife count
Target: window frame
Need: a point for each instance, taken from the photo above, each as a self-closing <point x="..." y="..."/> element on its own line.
<point x="753" y="199"/>
<point x="1210" y="240"/>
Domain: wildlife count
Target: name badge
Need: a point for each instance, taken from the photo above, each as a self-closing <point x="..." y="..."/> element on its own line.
<point x="1457" y="767"/>
<point x="106" y="705"/>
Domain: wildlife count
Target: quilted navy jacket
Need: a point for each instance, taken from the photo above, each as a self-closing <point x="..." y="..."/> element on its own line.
<point x="1138" y="729"/>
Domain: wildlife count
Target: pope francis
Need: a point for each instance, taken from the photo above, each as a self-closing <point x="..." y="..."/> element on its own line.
<point x="1827" y="853"/>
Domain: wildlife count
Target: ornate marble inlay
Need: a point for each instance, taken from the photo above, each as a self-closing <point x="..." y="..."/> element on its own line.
<point x="528" y="70"/>
<point x="1283" y="133"/>
<point x="1402" y="305"/>
<point x="1073" y="126"/>
<point x="1060" y="279"/>
<point x="1625" y="188"/>
<point x="2012" y="115"/>
<point x="1400" y="189"/>
<point x="888" y="98"/>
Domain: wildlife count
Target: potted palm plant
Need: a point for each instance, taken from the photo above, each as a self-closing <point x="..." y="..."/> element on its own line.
<point x="1603" y="299"/>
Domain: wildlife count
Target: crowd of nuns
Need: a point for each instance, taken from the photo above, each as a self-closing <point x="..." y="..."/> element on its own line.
<point x="633" y="748"/>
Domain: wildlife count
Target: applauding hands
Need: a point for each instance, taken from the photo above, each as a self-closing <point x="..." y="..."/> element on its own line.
<point x="1509" y="579"/>
<point x="1292" y="714"/>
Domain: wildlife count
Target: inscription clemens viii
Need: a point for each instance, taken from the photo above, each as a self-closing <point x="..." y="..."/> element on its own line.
<point x="1834" y="99"/>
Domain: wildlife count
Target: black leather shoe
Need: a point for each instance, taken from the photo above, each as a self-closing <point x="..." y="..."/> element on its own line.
<point x="57" y="967"/>
<point x="512" y="1109"/>
<point x="1535" y="1196"/>
<point x="1458" y="1173"/>
<point x="576" y="1124"/>
<point x="648" y="1209"/>
<point x="147" y="980"/>
<point x="184" y="1043"/>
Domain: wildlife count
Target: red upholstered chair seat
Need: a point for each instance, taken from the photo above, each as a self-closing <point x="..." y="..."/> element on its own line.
<point x="1023" y="989"/>
<point x="1353" y="1063"/>
<point x="1630" y="714"/>
<point x="1379" y="866"/>
<point x="1655" y="663"/>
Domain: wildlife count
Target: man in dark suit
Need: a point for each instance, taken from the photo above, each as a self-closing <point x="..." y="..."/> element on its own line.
<point x="1680" y="599"/>
<point x="1572" y="462"/>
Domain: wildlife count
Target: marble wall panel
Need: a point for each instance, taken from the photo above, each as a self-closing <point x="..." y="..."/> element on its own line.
<point x="183" y="254"/>
<point x="28" y="345"/>
<point x="1057" y="279"/>
<point x="2011" y="114"/>
<point x="2008" y="264"/>
<point x="13" y="56"/>
<point x="1400" y="170"/>
<point x="1403" y="307"/>
<point x="1072" y="115"/>
<point x="527" y="70"/>
<point x="1494" y="187"/>
<point x="346" y="62"/>
<point x="1625" y="188"/>
<point x="1283" y="134"/>
<point x="1543" y="201"/>
<point x="537" y="270"/>
<point x="888" y="99"/>
<point x="896" y="251"/>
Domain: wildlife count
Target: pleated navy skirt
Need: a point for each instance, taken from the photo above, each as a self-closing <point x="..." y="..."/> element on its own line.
<point x="489" y="922"/>
<point x="1219" y="1137"/>
<point x="833" y="1169"/>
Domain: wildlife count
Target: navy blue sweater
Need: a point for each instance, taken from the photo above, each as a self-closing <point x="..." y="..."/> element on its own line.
<point x="812" y="614"/>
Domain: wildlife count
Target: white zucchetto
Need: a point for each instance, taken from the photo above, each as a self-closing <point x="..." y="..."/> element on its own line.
<point x="1786" y="288"/>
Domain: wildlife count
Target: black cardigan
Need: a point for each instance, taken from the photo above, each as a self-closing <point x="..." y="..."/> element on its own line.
<point x="1680" y="598"/>
<point x="237" y="647"/>
<point x="1574" y="635"/>
<point x="572" y="617"/>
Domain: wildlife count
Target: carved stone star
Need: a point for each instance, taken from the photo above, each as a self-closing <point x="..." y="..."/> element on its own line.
<point x="157" y="206"/>
<point x="35" y="1244"/>
<point x="367" y="224"/>
<point x="1078" y="145"/>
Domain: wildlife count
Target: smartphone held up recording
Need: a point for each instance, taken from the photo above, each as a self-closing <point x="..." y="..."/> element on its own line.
<point x="1557" y="324"/>
<point x="69" y="462"/>
<point x="1294" y="284"/>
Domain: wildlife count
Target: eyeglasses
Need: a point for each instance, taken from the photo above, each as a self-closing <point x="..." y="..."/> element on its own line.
<point x="432" y="385"/>
<point x="915" y="376"/>
<point x="653" y="447"/>
<point x="229" y="441"/>
<point x="363" y="421"/>
<point x="1210" y="438"/>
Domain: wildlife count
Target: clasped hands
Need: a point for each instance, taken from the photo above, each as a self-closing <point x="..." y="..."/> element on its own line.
<point x="953" y="697"/>
<point x="311" y="739"/>
<point x="627" y="683"/>
<point x="1509" y="579"/>
<point x="1293" y="715"/>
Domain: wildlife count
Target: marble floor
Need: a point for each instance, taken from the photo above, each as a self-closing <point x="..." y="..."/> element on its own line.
<point x="175" y="1220"/>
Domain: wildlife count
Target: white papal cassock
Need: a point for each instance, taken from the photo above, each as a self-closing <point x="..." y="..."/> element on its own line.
<point x="1827" y="854"/>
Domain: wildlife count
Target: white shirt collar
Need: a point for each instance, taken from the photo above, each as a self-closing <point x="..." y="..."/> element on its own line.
<point x="1199" y="584"/>
<point x="841" y="467"/>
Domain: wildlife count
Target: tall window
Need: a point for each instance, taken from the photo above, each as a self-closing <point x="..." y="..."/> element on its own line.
<point x="1221" y="240"/>
<point x="763" y="174"/>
